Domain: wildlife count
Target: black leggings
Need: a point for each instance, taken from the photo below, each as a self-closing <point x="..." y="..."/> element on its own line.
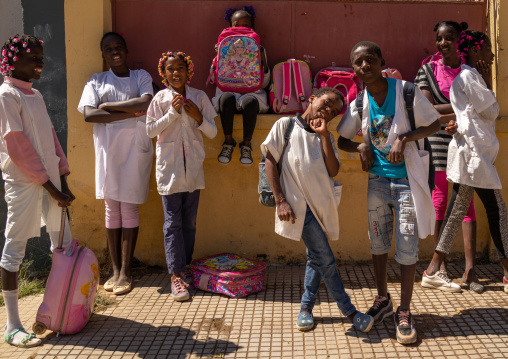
<point x="457" y="209"/>
<point x="227" y="109"/>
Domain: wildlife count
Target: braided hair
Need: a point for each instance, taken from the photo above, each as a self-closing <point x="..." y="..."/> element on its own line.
<point x="185" y="58"/>
<point x="12" y="47"/>
<point x="468" y="39"/>
<point x="455" y="25"/>
<point x="246" y="11"/>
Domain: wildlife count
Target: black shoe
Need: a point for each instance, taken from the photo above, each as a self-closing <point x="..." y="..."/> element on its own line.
<point x="406" y="332"/>
<point x="382" y="308"/>
<point x="245" y="154"/>
<point x="226" y="153"/>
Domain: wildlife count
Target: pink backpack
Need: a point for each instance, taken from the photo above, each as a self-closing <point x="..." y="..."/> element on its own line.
<point x="237" y="66"/>
<point x="71" y="289"/>
<point x="228" y="274"/>
<point x="342" y="79"/>
<point x="291" y="86"/>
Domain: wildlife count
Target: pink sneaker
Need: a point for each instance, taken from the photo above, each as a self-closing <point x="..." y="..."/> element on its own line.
<point x="179" y="290"/>
<point x="187" y="277"/>
<point x="505" y="282"/>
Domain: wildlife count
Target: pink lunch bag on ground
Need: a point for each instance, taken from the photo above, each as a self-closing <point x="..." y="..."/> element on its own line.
<point x="237" y="66"/>
<point x="228" y="274"/>
<point x="71" y="289"/>
<point x="291" y="87"/>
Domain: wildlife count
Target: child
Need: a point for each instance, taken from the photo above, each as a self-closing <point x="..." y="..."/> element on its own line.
<point x="305" y="196"/>
<point x="397" y="177"/>
<point x="249" y="104"/>
<point x="115" y="101"/>
<point x="472" y="153"/>
<point x="177" y="116"/>
<point x="32" y="160"/>
<point x="435" y="79"/>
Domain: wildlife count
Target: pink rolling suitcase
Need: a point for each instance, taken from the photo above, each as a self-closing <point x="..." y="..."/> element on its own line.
<point x="71" y="289"/>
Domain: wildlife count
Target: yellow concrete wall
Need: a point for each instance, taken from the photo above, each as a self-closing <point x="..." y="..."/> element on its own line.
<point x="229" y="217"/>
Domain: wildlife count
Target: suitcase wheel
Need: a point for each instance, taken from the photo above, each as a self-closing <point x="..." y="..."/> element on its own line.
<point x="39" y="328"/>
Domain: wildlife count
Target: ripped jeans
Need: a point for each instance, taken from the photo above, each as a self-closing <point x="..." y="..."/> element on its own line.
<point x="388" y="198"/>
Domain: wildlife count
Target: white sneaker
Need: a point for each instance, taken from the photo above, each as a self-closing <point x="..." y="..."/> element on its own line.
<point x="439" y="281"/>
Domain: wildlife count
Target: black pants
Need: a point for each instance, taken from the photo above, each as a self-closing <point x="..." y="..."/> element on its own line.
<point x="457" y="209"/>
<point x="227" y="109"/>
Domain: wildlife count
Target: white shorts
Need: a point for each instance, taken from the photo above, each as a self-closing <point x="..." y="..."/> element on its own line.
<point x="24" y="203"/>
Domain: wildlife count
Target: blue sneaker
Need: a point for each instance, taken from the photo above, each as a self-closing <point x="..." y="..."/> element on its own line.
<point x="363" y="322"/>
<point x="382" y="308"/>
<point x="305" y="321"/>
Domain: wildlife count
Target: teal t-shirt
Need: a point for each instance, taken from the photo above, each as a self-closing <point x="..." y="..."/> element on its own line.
<point x="381" y="119"/>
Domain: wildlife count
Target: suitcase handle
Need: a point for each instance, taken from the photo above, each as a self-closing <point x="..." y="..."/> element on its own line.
<point x="62" y="226"/>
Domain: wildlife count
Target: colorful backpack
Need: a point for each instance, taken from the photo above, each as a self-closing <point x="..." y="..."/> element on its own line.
<point x="237" y="66"/>
<point x="291" y="87"/>
<point x="342" y="79"/>
<point x="228" y="274"/>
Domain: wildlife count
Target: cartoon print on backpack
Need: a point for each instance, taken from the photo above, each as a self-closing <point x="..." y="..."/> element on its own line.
<point x="239" y="62"/>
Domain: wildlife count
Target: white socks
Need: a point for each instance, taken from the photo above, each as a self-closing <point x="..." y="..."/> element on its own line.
<point x="11" y="306"/>
<point x="14" y="323"/>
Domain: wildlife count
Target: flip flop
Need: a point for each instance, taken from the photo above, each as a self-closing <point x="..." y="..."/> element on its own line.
<point x="109" y="285"/>
<point x="122" y="289"/>
<point x="27" y="342"/>
<point x="473" y="286"/>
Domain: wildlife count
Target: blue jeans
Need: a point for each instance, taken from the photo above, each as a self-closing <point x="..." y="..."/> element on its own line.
<point x="180" y="212"/>
<point x="321" y="264"/>
<point x="388" y="198"/>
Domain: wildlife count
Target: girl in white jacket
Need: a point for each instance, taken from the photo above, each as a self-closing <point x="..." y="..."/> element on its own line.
<point x="471" y="157"/>
<point x="178" y="116"/>
<point x="34" y="169"/>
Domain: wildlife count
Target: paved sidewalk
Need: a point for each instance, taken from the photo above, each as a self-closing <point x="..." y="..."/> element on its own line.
<point x="147" y="323"/>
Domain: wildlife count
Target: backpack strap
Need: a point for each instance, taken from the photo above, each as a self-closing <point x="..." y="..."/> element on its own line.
<point x="409" y="96"/>
<point x="359" y="103"/>
<point x="300" y="92"/>
<point x="287" y="135"/>
<point x="286" y="84"/>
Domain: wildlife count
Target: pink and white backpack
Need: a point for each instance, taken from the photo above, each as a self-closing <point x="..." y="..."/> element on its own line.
<point x="341" y="78"/>
<point x="291" y="86"/>
<point x="237" y="66"/>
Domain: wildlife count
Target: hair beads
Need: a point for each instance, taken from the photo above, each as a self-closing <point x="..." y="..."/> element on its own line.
<point x="186" y="58"/>
<point x="468" y="39"/>
<point x="12" y="47"/>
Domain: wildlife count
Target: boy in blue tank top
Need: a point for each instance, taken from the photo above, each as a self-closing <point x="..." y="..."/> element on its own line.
<point x="398" y="199"/>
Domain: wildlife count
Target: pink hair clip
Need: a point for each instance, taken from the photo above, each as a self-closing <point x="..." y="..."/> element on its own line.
<point x="12" y="48"/>
<point x="25" y="44"/>
<point x="15" y="40"/>
<point x="10" y="68"/>
<point x="42" y="42"/>
<point x="15" y="58"/>
<point x="28" y="49"/>
<point x="10" y="54"/>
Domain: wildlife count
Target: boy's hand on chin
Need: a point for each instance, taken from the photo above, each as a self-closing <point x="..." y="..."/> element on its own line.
<point x="319" y="126"/>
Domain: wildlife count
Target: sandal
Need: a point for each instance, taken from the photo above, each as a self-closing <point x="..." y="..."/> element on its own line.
<point x="473" y="286"/>
<point x="29" y="341"/>
<point x="109" y="285"/>
<point x="122" y="289"/>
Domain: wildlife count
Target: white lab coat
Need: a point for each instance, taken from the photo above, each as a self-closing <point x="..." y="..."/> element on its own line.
<point x="475" y="146"/>
<point x="304" y="179"/>
<point x="417" y="162"/>
<point x="123" y="151"/>
<point x="27" y="212"/>
<point x="180" y="150"/>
